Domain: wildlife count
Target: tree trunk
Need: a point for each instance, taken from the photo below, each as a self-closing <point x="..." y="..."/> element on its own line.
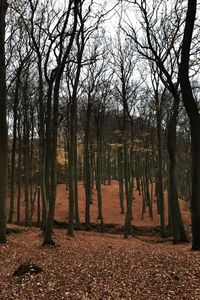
<point x="31" y="180"/>
<point x="3" y="125"/>
<point x="70" y="230"/>
<point x="99" y="180"/>
<point x="76" y="209"/>
<point x="73" y="188"/>
<point x="147" y="185"/>
<point x="15" y="109"/>
<point x="120" y="179"/>
<point x="179" y="234"/>
<point x="195" y="201"/>
<point x="48" y="240"/>
<point x="42" y="146"/>
<point x="19" y="174"/>
<point x="127" y="224"/>
<point x="45" y="166"/>
<point x="159" y="181"/>
<point x="109" y="165"/>
<point x="38" y="207"/>
<point x="26" y="178"/>
<point x="87" y="166"/>
<point x="193" y="113"/>
<point x="26" y="154"/>
<point x="66" y="147"/>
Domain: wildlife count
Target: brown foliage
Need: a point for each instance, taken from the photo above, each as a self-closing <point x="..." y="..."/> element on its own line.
<point x="95" y="266"/>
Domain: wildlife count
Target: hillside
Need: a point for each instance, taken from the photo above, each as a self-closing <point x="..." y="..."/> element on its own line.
<point x="110" y="206"/>
<point x="96" y="266"/>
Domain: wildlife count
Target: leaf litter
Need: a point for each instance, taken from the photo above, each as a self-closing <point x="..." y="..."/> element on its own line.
<point x="98" y="266"/>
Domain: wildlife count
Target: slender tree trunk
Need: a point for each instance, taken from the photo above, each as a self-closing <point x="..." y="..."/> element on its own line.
<point x="143" y="200"/>
<point x="152" y="195"/>
<point x="103" y="170"/>
<point x="56" y="77"/>
<point x="31" y="180"/>
<point x="109" y="165"/>
<point x="26" y="154"/>
<point x="73" y="190"/>
<point x="179" y="234"/>
<point x="193" y="113"/>
<point x="169" y="208"/>
<point x="127" y="224"/>
<point x="42" y="145"/>
<point x="87" y="166"/>
<point x="120" y="179"/>
<point x="159" y="181"/>
<point x="92" y="166"/>
<point x="72" y="158"/>
<point x="45" y="167"/>
<point x="48" y="240"/>
<point x="26" y="178"/>
<point x="144" y="194"/>
<point x="195" y="201"/>
<point x="38" y="207"/>
<point x="70" y="230"/>
<point x="99" y="180"/>
<point x="137" y="173"/>
<point x="3" y="125"/>
<point x="76" y="208"/>
<point x="147" y="185"/>
<point x="66" y="159"/>
<point x="15" y="109"/>
<point x="19" y="174"/>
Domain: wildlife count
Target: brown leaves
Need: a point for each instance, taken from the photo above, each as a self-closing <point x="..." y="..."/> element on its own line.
<point x="94" y="266"/>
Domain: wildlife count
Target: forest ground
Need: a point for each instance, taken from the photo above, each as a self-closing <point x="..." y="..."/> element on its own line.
<point x="111" y="207"/>
<point x="99" y="266"/>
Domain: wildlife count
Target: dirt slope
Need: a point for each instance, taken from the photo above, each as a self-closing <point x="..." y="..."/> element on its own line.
<point x="111" y="207"/>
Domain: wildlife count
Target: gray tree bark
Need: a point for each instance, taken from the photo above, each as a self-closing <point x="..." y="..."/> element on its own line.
<point x="3" y="124"/>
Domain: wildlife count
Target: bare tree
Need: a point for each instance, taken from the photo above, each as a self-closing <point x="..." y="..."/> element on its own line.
<point x="126" y="90"/>
<point x="194" y="115"/>
<point x="88" y="24"/>
<point x="160" y="44"/>
<point x="94" y="73"/>
<point x="62" y="57"/>
<point x="3" y="124"/>
<point x="22" y="56"/>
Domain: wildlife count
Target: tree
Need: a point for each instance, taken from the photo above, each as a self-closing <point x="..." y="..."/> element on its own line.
<point x="159" y="100"/>
<point x="126" y="90"/>
<point x="99" y="110"/>
<point x="193" y="113"/>
<point x="58" y="71"/>
<point x="159" y="43"/>
<point x="93" y="83"/>
<point x="35" y="33"/>
<point x="3" y="124"/>
<point x="88" y="24"/>
<point x="23" y="55"/>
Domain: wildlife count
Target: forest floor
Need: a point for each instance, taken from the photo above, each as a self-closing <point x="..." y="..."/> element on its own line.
<point x="100" y="266"/>
<point x="111" y="207"/>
